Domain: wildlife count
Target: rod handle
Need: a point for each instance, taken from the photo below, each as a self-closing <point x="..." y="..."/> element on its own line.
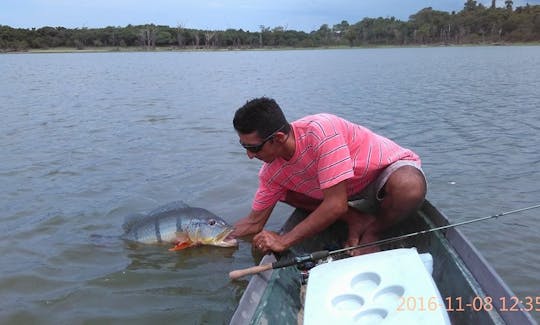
<point x="237" y="274"/>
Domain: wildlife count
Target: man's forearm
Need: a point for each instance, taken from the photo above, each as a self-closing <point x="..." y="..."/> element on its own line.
<point x="252" y="224"/>
<point x="317" y="221"/>
<point x="332" y="207"/>
<point x="247" y="226"/>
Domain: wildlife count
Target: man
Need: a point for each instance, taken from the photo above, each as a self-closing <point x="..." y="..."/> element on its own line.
<point x="318" y="163"/>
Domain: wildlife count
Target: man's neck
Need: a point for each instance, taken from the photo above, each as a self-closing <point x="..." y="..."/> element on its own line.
<point x="289" y="146"/>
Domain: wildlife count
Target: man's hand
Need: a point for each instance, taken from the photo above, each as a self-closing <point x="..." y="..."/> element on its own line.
<point x="269" y="241"/>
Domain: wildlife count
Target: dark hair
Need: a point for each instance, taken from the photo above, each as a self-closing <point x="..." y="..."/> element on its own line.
<point x="262" y="115"/>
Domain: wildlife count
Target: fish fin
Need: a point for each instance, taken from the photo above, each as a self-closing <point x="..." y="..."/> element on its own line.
<point x="180" y="246"/>
<point x="131" y="220"/>
<point x="172" y="206"/>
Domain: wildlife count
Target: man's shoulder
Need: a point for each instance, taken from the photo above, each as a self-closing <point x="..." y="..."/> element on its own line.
<point x="319" y="121"/>
<point x="320" y="117"/>
<point x="324" y="124"/>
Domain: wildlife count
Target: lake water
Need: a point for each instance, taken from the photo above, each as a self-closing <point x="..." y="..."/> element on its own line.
<point x="86" y="139"/>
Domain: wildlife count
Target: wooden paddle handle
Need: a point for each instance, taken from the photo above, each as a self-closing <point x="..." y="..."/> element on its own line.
<point x="236" y="274"/>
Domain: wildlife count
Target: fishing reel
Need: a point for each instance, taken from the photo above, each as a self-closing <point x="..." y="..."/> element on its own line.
<point x="306" y="266"/>
<point x="305" y="263"/>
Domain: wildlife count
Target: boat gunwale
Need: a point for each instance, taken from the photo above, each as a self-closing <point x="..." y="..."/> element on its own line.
<point x="254" y="292"/>
<point x="486" y="276"/>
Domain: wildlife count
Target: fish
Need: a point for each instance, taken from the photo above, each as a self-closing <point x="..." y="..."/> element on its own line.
<point x="179" y="224"/>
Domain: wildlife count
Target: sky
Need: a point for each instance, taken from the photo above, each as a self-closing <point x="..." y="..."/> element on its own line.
<point x="249" y="15"/>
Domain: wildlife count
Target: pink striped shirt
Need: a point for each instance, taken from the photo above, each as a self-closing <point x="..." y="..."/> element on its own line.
<point x="329" y="150"/>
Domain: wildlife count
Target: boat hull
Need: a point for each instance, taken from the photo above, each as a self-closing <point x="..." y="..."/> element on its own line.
<point x="464" y="279"/>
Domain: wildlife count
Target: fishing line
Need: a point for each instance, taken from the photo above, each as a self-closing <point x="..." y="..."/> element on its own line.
<point x="312" y="257"/>
<point x="391" y="239"/>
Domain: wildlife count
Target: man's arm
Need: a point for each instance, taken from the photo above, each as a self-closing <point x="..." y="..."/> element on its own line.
<point x="253" y="223"/>
<point x="333" y="206"/>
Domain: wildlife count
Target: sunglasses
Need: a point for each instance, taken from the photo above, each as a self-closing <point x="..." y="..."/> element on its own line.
<point x="254" y="148"/>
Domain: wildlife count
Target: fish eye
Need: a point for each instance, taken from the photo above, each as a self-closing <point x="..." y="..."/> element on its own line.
<point x="211" y="222"/>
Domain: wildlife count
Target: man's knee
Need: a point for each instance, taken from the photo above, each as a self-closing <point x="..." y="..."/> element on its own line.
<point x="408" y="183"/>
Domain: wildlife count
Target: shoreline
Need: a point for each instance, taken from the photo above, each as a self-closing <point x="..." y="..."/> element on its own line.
<point x="204" y="49"/>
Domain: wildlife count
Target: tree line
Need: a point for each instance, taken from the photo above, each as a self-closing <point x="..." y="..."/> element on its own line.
<point x="474" y="24"/>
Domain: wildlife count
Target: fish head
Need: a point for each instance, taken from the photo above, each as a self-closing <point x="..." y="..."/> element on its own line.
<point x="212" y="230"/>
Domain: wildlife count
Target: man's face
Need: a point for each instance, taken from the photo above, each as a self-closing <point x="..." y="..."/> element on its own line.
<point x="262" y="149"/>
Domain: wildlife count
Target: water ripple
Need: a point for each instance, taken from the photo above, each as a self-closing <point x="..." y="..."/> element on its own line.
<point x="89" y="138"/>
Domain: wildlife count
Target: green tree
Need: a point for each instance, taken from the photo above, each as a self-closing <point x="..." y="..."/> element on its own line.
<point x="474" y="24"/>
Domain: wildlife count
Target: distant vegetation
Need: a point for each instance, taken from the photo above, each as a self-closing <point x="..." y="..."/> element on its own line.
<point x="475" y="24"/>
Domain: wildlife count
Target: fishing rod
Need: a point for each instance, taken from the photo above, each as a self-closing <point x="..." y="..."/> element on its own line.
<point x="318" y="255"/>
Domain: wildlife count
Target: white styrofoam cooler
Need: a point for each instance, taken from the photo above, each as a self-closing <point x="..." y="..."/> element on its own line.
<point x="388" y="287"/>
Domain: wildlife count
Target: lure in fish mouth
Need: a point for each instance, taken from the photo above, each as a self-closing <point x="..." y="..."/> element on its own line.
<point x="181" y="225"/>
